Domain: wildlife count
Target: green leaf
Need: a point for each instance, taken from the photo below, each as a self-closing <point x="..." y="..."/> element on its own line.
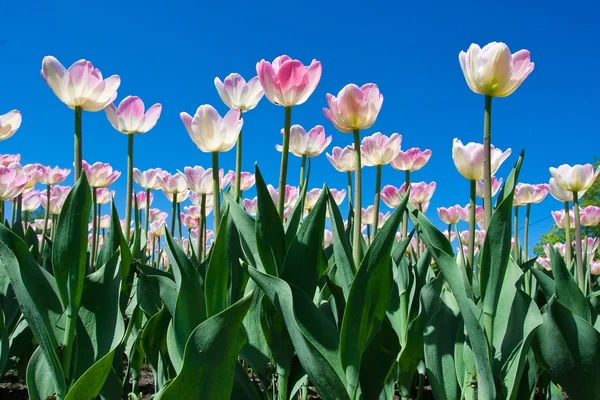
<point x="154" y="286"/>
<point x="41" y="382"/>
<point x="293" y="221"/>
<point x="210" y="357"/>
<point x="217" y="274"/>
<point x="546" y="283"/>
<point x="256" y="350"/>
<point x="301" y="265"/>
<point x="567" y="291"/>
<point x="38" y="296"/>
<point x="4" y="349"/>
<point x="368" y="300"/>
<point x="568" y="347"/>
<point x="342" y="251"/>
<point x="243" y="386"/>
<point x="441" y="250"/>
<point x="153" y="340"/>
<point x="270" y="237"/>
<point x="314" y="337"/>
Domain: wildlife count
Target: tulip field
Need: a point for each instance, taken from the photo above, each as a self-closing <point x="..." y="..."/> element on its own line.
<point x="300" y="292"/>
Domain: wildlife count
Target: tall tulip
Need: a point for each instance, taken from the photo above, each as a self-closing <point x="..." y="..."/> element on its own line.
<point x="214" y="134"/>
<point x="80" y="87"/>
<point x="344" y="160"/>
<point x="450" y="216"/>
<point x="236" y="93"/>
<point x="173" y="184"/>
<point x="565" y="197"/>
<point x="131" y="118"/>
<point x="9" y="123"/>
<point x="353" y="109"/>
<point x="575" y="179"/>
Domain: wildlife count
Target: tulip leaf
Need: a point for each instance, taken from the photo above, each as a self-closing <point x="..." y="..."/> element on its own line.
<point x="243" y="387"/>
<point x="217" y="273"/>
<point x="314" y="337"/>
<point x="342" y="251"/>
<point x="41" y="381"/>
<point x="567" y="291"/>
<point x="153" y="341"/>
<point x="37" y="294"/>
<point x="568" y="348"/>
<point x="441" y="250"/>
<point x="210" y="356"/>
<point x="301" y="265"/>
<point x="368" y="300"/>
<point x="153" y="286"/>
<point x="293" y="220"/>
<point x="545" y="282"/>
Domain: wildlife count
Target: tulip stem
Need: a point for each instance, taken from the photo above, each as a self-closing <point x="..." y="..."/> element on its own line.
<point x="147" y="210"/>
<point x="19" y="207"/>
<point x="302" y="169"/>
<point x="203" y="233"/>
<point x="525" y="249"/>
<point x="78" y="148"/>
<point x="405" y="219"/>
<point x="471" y="242"/>
<point x="356" y="250"/>
<point x="349" y="189"/>
<point x="179" y="221"/>
<point x="284" y="161"/>
<point x="201" y="227"/>
<point x="69" y="335"/>
<point x="46" y="216"/>
<point x="578" y="255"/>
<point x="567" y="228"/>
<point x="487" y="166"/>
<point x="216" y="192"/>
<point x="129" y="186"/>
<point x="516" y="234"/>
<point x="153" y="249"/>
<point x="376" y="201"/>
<point x="449" y="232"/>
<point x="13" y="211"/>
<point x="173" y="214"/>
<point x="2" y="213"/>
<point x="94" y="227"/>
<point x="238" y="166"/>
<point x="97" y="233"/>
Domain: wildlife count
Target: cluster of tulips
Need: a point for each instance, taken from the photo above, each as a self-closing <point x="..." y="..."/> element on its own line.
<point x="370" y="307"/>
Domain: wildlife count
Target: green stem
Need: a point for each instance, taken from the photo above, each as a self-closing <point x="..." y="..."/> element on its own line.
<point x="238" y="165"/>
<point x="46" y="216"/>
<point x="356" y="250"/>
<point x="282" y="383"/>
<point x="418" y="237"/>
<point x="173" y="216"/>
<point x="94" y="228"/>
<point x="487" y="167"/>
<point x="376" y="201"/>
<point x="284" y="161"/>
<point x="516" y="234"/>
<point x="179" y="221"/>
<point x="78" y="146"/>
<point x="147" y="210"/>
<point x="405" y="219"/>
<point x="217" y="192"/>
<point x="13" y="211"/>
<point x="568" y="246"/>
<point x="525" y="249"/>
<point x="202" y="231"/>
<point x="471" y="243"/>
<point x="19" y="207"/>
<point x="153" y="249"/>
<point x="302" y="168"/>
<point x="25" y="218"/>
<point x="129" y="194"/>
<point x="449" y="232"/>
<point x="68" y="338"/>
<point x="53" y="230"/>
<point x="369" y="234"/>
<point x="2" y="213"/>
<point x="349" y="174"/>
<point x="578" y="255"/>
<point x="97" y="233"/>
<point x="158" y="257"/>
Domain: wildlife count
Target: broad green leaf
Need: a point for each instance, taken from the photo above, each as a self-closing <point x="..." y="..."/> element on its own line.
<point x="217" y="273"/>
<point x="567" y="291"/>
<point x="545" y="282"/>
<point x="153" y="340"/>
<point x="568" y="347"/>
<point x="38" y="296"/>
<point x="314" y="337"/>
<point x="154" y="286"/>
<point x="256" y="350"/>
<point x="441" y="250"/>
<point x="4" y="349"/>
<point x="368" y="300"/>
<point x="270" y="237"/>
<point x="342" y="251"/>
<point x="210" y="357"/>
<point x="41" y="382"/>
<point x="294" y="219"/>
<point x="90" y="383"/>
<point x="243" y="387"/>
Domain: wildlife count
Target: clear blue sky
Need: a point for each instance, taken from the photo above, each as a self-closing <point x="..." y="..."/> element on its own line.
<point x="170" y="52"/>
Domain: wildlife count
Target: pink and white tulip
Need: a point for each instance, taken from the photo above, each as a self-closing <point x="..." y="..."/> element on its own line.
<point x="200" y="180"/>
<point x="189" y="221"/>
<point x="468" y="159"/>
<point x="211" y="132"/>
<point x="181" y="196"/>
<point x="368" y="215"/>
<point x="354" y="108"/>
<point x="411" y="160"/>
<point x="496" y="183"/>
<point x="575" y="178"/>
<point x="31" y="201"/>
<point x="492" y="70"/>
<point x="131" y="116"/>
<point x="58" y="195"/>
<point x="12" y="183"/>
<point x="81" y="85"/>
<point x="560" y="194"/>
<point x="237" y="93"/>
<point x="147" y="179"/>
<point x="420" y="192"/>
<point x="141" y="198"/>
<point x="53" y="176"/>
<point x="247" y="180"/>
<point x="590" y="216"/>
<point x="338" y="195"/>
<point x="103" y="195"/>
<point x="99" y="175"/>
<point x="311" y="198"/>
<point x="343" y="159"/>
<point x="288" y="82"/>
<point x="175" y="183"/>
<point x="595" y="268"/>
<point x="9" y="123"/>
<point x="450" y="215"/>
<point x="251" y="205"/>
<point x="327" y="238"/>
<point x="309" y="144"/>
<point x="158" y="228"/>
<point x="467" y="210"/>
<point x="157" y="215"/>
<point x="560" y="220"/>
<point x="379" y="149"/>
<point x="291" y="195"/>
<point x="530" y="194"/>
<point x="7" y="159"/>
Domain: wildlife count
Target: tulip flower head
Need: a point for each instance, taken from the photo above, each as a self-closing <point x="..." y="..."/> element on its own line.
<point x="39" y="224"/>
<point x="99" y="175"/>
<point x="530" y="194"/>
<point x="544" y="262"/>
<point x="31" y="201"/>
<point x="7" y="159"/>
<point x="175" y="183"/>
<point x="141" y="198"/>
<point x="58" y="195"/>
<point x="450" y="215"/>
<point x="467" y="210"/>
<point x="199" y="180"/>
<point x="575" y="178"/>
<point x="81" y="85"/>
<point x="236" y="93"/>
<point x="9" y="123"/>
<point x="411" y="160"/>
<point x="338" y="195"/>
<point x="247" y="180"/>
<point x="309" y="144"/>
<point x="560" y="220"/>
<point x="148" y="179"/>
<point x="595" y="268"/>
<point x="32" y="172"/>
<point x="211" y="132"/>
<point x="590" y="216"/>
<point x="192" y="211"/>
<point x="189" y="221"/>
<point x="560" y="194"/>
<point x="157" y="215"/>
<point x="103" y="195"/>
<point x="492" y="70"/>
<point x="468" y="159"/>
<point x="496" y="183"/>
<point x="251" y="206"/>
<point x="181" y="196"/>
<point x="291" y="195"/>
<point x="379" y="149"/>
<point x="53" y="176"/>
<point x="12" y="183"/>
<point x="354" y="107"/>
<point x="311" y="198"/>
<point x="420" y="192"/>
<point x="158" y="228"/>
<point x="287" y="82"/>
<point x="327" y="238"/>
<point x="368" y="215"/>
<point x="343" y="159"/>
<point x="560" y="247"/>
<point x="131" y="116"/>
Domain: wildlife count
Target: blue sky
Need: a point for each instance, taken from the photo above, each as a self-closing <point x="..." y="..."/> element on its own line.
<point x="171" y="52"/>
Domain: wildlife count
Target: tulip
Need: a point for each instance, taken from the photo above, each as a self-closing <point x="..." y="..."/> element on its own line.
<point x="411" y="160"/>
<point x="450" y="235"/>
<point x="174" y="185"/>
<point x="189" y="221"/>
<point x="251" y="205"/>
<point x="290" y="197"/>
<point x="39" y="224"/>
<point x="142" y="198"/>
<point x="560" y="220"/>
<point x="590" y="216"/>
<point x="595" y="268"/>
<point x="311" y="198"/>
<point x="368" y="215"/>
<point x="57" y="199"/>
<point x="560" y="247"/>
<point x="53" y="176"/>
<point x="103" y="195"/>
<point x="467" y="211"/>
<point x="354" y="108"/>
<point x="31" y="201"/>
<point x="496" y="183"/>
<point x="468" y="159"/>
<point x="7" y="159"/>
<point x="157" y="215"/>
<point x="9" y="123"/>
<point x="544" y="262"/>
<point x="526" y="194"/>
<point x="81" y="87"/>
<point x="420" y="192"/>
<point x="247" y="180"/>
<point x="338" y="195"/>
<point x="344" y="160"/>
<point x="199" y="180"/>
<point x="158" y="228"/>
<point x="450" y="215"/>
<point x="327" y="238"/>
<point x="100" y="175"/>
<point x="148" y="179"/>
<point x="12" y="183"/>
